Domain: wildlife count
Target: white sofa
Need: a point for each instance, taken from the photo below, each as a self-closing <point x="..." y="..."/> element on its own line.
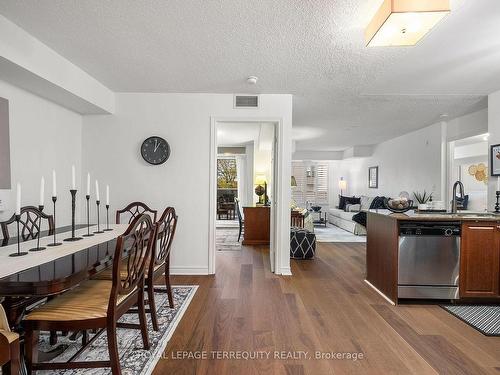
<point x="343" y="220"/>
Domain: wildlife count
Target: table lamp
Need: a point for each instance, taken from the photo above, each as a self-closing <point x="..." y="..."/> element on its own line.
<point x="342" y="185"/>
<point x="261" y="191"/>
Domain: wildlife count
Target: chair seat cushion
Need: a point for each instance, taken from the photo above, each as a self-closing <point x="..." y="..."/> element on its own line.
<point x="11" y="336"/>
<point x="89" y="300"/>
<point x="107" y="274"/>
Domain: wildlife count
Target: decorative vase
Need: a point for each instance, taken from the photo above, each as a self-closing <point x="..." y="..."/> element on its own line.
<point x="422" y="206"/>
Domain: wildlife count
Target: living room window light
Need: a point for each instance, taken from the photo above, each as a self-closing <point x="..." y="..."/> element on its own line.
<point x="312" y="183"/>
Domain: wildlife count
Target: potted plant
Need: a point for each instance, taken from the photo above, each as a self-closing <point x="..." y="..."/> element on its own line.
<point x="422" y="199"/>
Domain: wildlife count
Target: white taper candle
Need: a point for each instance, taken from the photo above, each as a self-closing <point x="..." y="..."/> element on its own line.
<point x="498" y="183"/>
<point x="107" y="195"/>
<point x="97" y="190"/>
<point x="42" y="191"/>
<point x="73" y="178"/>
<point x="88" y="183"/>
<point x="54" y="189"/>
<point x="18" y="199"/>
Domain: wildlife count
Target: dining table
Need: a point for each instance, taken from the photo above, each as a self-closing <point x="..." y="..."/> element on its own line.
<point x="26" y="280"/>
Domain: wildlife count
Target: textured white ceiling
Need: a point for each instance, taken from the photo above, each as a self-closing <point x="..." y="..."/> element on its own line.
<point x="344" y="93"/>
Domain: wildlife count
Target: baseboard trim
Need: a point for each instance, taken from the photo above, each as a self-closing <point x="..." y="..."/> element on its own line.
<point x="189" y="270"/>
<point x="286" y="271"/>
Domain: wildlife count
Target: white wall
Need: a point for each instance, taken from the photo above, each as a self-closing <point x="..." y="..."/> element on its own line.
<point x="111" y="153"/>
<point x="407" y="163"/>
<point x="494" y="130"/>
<point x="28" y="63"/>
<point x="262" y="158"/>
<point x="43" y="136"/>
<point x="468" y="125"/>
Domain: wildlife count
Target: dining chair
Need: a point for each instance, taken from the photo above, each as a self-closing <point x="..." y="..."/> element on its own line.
<point x="134" y="209"/>
<point x="160" y="261"/>
<point x="9" y="346"/>
<point x="98" y="304"/>
<point x="240" y="217"/>
<point x="29" y="224"/>
<point x="159" y="264"/>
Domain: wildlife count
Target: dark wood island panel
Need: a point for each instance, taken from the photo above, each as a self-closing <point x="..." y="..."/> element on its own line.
<point x="382" y="258"/>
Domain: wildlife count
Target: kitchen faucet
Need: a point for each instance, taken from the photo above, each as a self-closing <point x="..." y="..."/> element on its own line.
<point x="454" y="201"/>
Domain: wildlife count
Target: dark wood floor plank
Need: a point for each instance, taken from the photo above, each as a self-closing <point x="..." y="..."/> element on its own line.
<point x="325" y="306"/>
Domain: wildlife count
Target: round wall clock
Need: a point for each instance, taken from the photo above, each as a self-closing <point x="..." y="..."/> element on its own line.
<point x="155" y="150"/>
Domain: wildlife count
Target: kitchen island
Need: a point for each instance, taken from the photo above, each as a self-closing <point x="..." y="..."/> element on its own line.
<point x="433" y="256"/>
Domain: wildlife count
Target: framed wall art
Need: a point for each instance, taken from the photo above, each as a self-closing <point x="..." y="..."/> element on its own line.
<point x="373" y="177"/>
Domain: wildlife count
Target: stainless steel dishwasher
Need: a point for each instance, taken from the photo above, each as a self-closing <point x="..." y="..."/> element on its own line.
<point x="429" y="260"/>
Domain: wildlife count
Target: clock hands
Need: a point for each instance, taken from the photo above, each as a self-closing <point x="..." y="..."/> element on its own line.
<point x="156" y="145"/>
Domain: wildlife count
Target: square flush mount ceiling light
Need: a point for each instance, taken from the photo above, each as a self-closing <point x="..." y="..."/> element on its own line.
<point x="404" y="22"/>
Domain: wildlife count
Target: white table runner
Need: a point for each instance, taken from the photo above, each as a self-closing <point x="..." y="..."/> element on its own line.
<point x="10" y="265"/>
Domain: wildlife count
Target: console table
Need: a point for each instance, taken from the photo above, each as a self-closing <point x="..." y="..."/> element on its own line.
<point x="257" y="225"/>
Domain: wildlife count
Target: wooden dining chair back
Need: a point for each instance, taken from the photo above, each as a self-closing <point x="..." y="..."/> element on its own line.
<point x="9" y="347"/>
<point x="240" y="217"/>
<point x="133" y="210"/>
<point x="30" y="223"/>
<point x="165" y="228"/>
<point x="133" y="249"/>
<point x="99" y="304"/>
<point x="160" y="263"/>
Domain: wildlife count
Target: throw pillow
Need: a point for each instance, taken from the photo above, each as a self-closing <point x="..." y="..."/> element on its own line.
<point x="353" y="207"/>
<point x="343" y="200"/>
<point x="377" y="203"/>
<point x="366" y="202"/>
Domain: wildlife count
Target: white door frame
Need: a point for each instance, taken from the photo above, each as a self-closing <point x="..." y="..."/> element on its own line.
<point x="282" y="227"/>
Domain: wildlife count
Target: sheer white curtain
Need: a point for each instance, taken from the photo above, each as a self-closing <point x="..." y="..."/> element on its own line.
<point x="241" y="178"/>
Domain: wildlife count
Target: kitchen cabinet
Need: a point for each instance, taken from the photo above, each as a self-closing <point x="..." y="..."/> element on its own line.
<point x="480" y="260"/>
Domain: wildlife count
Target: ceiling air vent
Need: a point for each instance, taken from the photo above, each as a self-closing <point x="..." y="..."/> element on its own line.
<point x="246" y="101"/>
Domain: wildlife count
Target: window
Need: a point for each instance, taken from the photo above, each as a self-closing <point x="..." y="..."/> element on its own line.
<point x="226" y="174"/>
<point x="312" y="183"/>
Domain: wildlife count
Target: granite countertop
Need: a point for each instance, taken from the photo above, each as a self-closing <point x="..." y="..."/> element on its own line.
<point x="461" y="216"/>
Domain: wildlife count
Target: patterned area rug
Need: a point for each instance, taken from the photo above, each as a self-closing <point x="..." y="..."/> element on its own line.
<point x="226" y="239"/>
<point x="133" y="358"/>
<point x="227" y="224"/>
<point x="333" y="233"/>
<point x="484" y="318"/>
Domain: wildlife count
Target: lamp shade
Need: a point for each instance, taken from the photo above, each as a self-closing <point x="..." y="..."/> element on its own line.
<point x="294" y="182"/>
<point x="342" y="184"/>
<point x="260" y="179"/>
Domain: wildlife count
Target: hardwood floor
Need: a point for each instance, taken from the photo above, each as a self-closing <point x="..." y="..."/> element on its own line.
<point x="325" y="307"/>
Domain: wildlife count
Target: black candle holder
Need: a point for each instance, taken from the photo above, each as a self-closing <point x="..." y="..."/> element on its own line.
<point x="55" y="243"/>
<point x="73" y="209"/>
<point x="87" y="197"/>
<point x="107" y="219"/>
<point x="497" y="205"/>
<point x="38" y="248"/>
<point x="98" y="231"/>
<point x="19" y="252"/>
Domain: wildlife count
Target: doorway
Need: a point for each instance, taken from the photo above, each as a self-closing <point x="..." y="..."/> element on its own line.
<point x="244" y="164"/>
<point x="468" y="162"/>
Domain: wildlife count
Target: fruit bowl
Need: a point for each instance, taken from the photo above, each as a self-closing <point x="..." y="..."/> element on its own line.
<point x="398" y="205"/>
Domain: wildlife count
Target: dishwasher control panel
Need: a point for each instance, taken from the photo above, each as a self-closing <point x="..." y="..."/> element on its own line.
<point x="427" y="228"/>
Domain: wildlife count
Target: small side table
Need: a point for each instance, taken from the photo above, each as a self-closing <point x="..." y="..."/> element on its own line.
<point x="322" y="218"/>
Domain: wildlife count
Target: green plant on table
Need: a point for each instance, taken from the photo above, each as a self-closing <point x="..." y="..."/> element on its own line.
<point x="422" y="198"/>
